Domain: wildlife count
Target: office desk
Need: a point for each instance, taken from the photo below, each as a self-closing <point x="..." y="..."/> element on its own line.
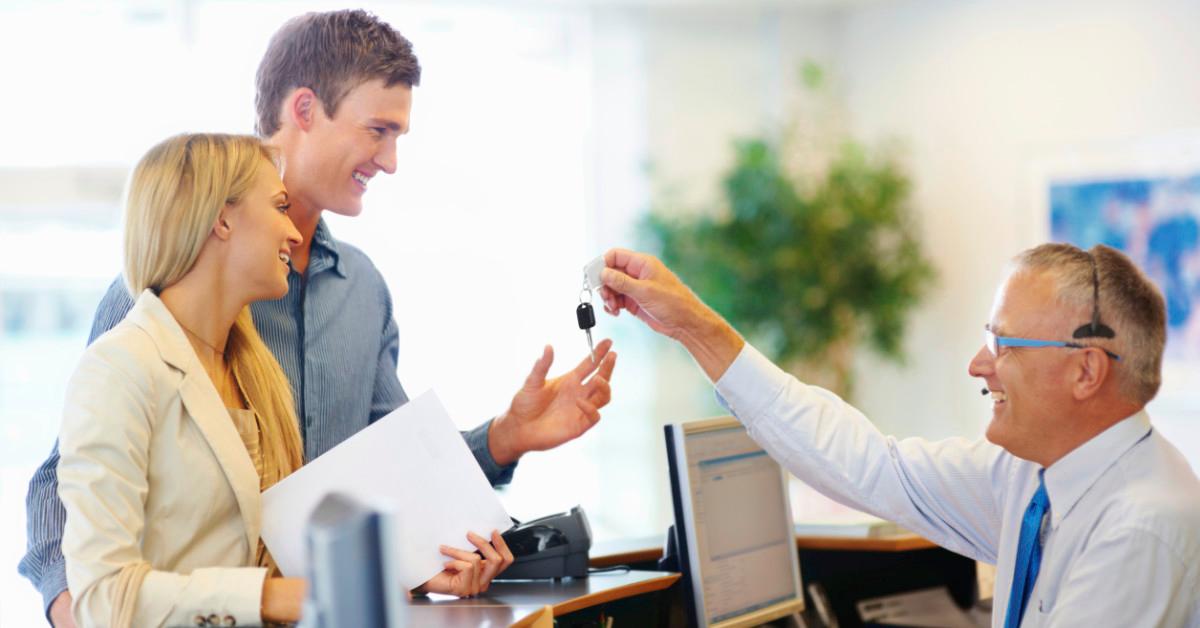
<point x="644" y="552"/>
<point x="635" y="594"/>
<point x="652" y="598"/>
<point x="848" y="568"/>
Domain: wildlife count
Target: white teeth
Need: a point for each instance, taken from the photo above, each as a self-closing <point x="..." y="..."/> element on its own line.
<point x="285" y="258"/>
<point x="998" y="396"/>
<point x="362" y="179"/>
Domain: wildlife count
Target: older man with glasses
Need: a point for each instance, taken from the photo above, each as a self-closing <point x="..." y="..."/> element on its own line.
<point x="1091" y="517"/>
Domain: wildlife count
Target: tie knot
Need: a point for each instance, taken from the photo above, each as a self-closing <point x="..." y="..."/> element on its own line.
<point x="1040" y="499"/>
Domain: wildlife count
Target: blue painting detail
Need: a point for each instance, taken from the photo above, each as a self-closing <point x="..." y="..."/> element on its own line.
<point x="1156" y="221"/>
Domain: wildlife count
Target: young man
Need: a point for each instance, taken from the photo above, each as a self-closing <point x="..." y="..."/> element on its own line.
<point x="334" y="95"/>
<point x="1091" y="517"/>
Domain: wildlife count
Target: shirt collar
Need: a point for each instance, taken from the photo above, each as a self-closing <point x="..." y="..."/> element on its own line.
<point x="324" y="253"/>
<point x="1072" y="475"/>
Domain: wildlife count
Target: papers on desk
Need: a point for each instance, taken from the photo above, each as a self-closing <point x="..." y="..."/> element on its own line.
<point x="928" y="608"/>
<point x="414" y="465"/>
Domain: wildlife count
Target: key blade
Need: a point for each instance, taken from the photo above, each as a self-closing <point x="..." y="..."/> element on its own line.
<point x="590" y="347"/>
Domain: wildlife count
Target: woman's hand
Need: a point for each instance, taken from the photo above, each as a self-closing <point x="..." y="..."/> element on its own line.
<point x="282" y="599"/>
<point x="470" y="573"/>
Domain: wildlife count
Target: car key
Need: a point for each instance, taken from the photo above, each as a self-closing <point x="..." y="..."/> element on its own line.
<point x="586" y="317"/>
<point x="584" y="314"/>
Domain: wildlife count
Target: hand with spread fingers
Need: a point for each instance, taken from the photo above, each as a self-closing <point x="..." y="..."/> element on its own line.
<point x="547" y="413"/>
<point x="469" y="573"/>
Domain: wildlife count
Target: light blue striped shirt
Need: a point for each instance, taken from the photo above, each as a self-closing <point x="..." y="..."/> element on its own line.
<point x="335" y="337"/>
<point x="1121" y="544"/>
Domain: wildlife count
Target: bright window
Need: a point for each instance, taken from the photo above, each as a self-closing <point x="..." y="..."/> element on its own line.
<point x="481" y="234"/>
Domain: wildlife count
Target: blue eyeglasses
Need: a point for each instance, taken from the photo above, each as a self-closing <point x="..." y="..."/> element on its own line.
<point x="994" y="343"/>
<point x="1092" y="329"/>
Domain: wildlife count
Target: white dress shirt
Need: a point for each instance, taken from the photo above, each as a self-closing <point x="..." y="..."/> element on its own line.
<point x="1122" y="544"/>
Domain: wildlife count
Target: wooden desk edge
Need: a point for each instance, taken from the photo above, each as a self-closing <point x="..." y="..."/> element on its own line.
<point x="618" y="593"/>
<point x="626" y="558"/>
<point x="898" y="543"/>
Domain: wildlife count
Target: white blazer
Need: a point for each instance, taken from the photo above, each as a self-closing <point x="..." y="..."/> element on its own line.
<point x="152" y="469"/>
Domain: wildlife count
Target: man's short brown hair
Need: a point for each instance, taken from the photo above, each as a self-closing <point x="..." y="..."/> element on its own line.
<point x="330" y="53"/>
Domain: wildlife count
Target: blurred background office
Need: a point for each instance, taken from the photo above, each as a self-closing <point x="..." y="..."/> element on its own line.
<point x="543" y="132"/>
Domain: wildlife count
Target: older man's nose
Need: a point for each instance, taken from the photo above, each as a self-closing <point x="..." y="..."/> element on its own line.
<point x="983" y="364"/>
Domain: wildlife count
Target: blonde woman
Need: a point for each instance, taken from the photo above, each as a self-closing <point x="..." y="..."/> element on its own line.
<point x="178" y="417"/>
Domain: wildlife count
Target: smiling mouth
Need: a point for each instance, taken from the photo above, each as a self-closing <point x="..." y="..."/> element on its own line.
<point x="285" y="258"/>
<point x="999" y="397"/>
<point x="361" y="178"/>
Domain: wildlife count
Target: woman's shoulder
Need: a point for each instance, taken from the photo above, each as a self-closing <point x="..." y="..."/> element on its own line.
<point x="125" y="341"/>
<point x="119" y="381"/>
<point x="127" y="352"/>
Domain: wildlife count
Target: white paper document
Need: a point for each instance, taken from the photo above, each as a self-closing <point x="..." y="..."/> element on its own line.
<point x="412" y="463"/>
<point x="928" y="608"/>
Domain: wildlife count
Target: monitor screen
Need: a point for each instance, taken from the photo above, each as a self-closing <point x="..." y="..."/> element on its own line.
<point x="351" y="581"/>
<point x="733" y="525"/>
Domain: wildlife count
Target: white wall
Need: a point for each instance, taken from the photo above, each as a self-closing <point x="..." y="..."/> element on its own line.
<point x="984" y="92"/>
<point x="714" y="74"/>
<point x="979" y="93"/>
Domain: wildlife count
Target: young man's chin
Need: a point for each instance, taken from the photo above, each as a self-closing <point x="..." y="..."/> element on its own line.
<point x="350" y="211"/>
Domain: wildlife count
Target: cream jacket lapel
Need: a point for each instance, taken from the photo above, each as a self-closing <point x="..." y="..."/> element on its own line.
<point x="206" y="409"/>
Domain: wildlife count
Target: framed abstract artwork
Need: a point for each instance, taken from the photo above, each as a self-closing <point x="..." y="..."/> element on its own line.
<point x="1141" y="197"/>
<point x="1153" y="219"/>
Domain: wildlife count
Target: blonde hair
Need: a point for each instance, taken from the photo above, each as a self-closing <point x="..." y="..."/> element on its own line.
<point x="174" y="198"/>
<point x="1129" y="303"/>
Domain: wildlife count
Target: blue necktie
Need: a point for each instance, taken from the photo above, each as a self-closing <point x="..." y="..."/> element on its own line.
<point x="1029" y="555"/>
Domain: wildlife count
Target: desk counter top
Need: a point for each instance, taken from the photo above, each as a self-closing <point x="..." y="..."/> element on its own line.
<point x="507" y="602"/>
<point x="627" y="551"/>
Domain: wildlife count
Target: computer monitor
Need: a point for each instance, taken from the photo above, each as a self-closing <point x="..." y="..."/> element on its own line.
<point x="351" y="579"/>
<point x="733" y="526"/>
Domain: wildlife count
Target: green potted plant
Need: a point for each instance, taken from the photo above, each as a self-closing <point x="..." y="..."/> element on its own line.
<point x="807" y="265"/>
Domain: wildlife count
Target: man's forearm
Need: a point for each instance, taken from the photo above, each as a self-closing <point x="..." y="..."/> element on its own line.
<point x="52" y="585"/>
<point x="43" y="562"/>
<point x="713" y="343"/>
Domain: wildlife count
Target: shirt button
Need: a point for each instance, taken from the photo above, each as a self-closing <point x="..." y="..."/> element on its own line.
<point x="230" y="621"/>
<point x="199" y="620"/>
<point x="214" y="620"/>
